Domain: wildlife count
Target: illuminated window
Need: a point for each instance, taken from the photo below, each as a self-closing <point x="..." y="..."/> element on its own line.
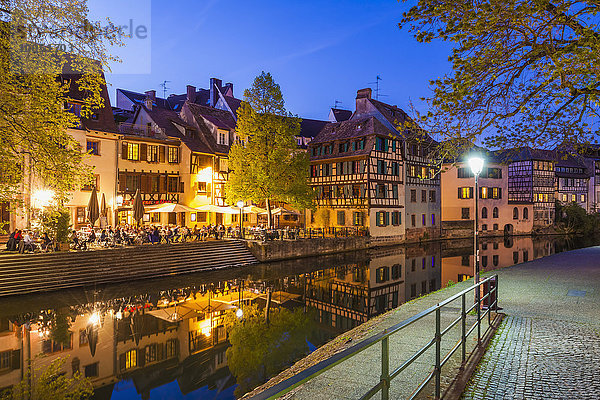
<point x="173" y="155"/>
<point x="465" y="193"/>
<point x="93" y="147"/>
<point x="582" y="198"/>
<point x="483" y="193"/>
<point x="131" y="359"/>
<point x="152" y="153"/>
<point x="133" y="151"/>
<point x="573" y="198"/>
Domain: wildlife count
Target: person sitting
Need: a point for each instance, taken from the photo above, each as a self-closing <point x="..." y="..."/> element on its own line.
<point x="169" y="236"/>
<point x="46" y="242"/>
<point x="92" y="237"/>
<point x="104" y="238"/>
<point x="27" y="243"/>
<point x="11" y="244"/>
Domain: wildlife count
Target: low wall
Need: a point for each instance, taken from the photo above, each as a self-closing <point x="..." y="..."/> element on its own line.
<point x="283" y="250"/>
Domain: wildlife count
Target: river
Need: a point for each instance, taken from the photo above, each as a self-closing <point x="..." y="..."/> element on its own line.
<point x="203" y="336"/>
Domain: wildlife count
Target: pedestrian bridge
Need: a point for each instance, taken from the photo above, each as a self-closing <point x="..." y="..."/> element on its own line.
<point x="29" y="273"/>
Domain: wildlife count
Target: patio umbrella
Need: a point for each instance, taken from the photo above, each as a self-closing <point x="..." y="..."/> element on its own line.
<point x="135" y="324"/>
<point x="103" y="206"/>
<point x="92" y="335"/>
<point x="250" y="209"/>
<point x="281" y="211"/>
<point x="217" y="209"/>
<point x="138" y="207"/>
<point x="171" y="207"/>
<point x="93" y="210"/>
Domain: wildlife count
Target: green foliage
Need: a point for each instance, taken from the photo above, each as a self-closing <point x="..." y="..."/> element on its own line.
<point x="60" y="325"/>
<point x="523" y="72"/>
<point x="265" y="164"/>
<point x="39" y="41"/>
<point x="260" y="350"/>
<point x="56" y="221"/>
<point x="322" y="218"/>
<point x="573" y="218"/>
<point x="50" y="383"/>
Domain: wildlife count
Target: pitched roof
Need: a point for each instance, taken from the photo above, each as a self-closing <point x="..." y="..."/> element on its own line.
<point x="233" y="103"/>
<point x="176" y="101"/>
<point x="341" y="115"/>
<point x="138" y="98"/>
<point x="104" y="120"/>
<point x="168" y="119"/>
<point x="310" y="128"/>
<point x="351" y="129"/>
<point x="219" y="118"/>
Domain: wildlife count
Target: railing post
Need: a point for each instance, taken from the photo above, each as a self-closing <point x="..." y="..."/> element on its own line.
<point x="385" y="368"/>
<point x="463" y="339"/>
<point x="496" y="292"/>
<point x="478" y="297"/>
<point x="438" y="349"/>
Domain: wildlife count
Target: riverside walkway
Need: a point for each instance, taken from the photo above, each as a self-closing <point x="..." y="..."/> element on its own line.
<point x="548" y="346"/>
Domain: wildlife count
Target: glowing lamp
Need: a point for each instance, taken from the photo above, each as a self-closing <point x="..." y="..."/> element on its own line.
<point x="239" y="313"/>
<point x="476" y="164"/>
<point x="95" y="319"/>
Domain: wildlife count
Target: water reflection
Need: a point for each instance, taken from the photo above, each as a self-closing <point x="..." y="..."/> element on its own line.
<point x="207" y="334"/>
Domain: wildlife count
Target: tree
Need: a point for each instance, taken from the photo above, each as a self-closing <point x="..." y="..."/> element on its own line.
<point x="39" y="41"/>
<point x="524" y="72"/>
<point x="266" y="164"/>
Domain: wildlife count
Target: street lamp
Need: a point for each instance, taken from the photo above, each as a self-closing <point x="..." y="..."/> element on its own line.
<point x="240" y="204"/>
<point x="476" y="164"/>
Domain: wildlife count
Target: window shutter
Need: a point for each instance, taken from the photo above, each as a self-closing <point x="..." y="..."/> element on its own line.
<point x="122" y="362"/>
<point x="160" y="353"/>
<point x="459" y="193"/>
<point x="15" y="362"/>
<point x="181" y="186"/>
<point x="141" y="353"/>
<point x="178" y="155"/>
<point x="124" y="151"/>
<point x="143" y="152"/>
<point x="499" y="193"/>
<point x="122" y="182"/>
<point x="162" y="183"/>
<point x="387" y="218"/>
<point x="377" y="218"/>
<point x="161" y="154"/>
<point x="144" y="184"/>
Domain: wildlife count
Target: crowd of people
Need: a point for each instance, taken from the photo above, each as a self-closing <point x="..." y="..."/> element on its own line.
<point x="127" y="235"/>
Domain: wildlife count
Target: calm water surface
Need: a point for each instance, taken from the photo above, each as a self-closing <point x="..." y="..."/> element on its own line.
<point x="203" y="336"/>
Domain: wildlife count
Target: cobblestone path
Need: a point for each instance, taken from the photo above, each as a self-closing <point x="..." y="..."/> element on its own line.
<point x="539" y="359"/>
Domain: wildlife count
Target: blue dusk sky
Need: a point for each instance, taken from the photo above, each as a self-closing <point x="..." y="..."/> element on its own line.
<point x="318" y="51"/>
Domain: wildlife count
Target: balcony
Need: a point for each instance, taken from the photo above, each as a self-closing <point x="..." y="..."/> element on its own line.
<point x="141" y="130"/>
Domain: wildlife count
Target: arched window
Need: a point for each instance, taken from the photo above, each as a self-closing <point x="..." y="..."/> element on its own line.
<point x="484" y="212"/>
<point x="495" y="212"/>
<point x="526" y="213"/>
<point x="515" y="213"/>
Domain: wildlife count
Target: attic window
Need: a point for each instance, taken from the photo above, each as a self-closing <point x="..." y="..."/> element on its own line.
<point x="94" y="116"/>
<point x="359" y="126"/>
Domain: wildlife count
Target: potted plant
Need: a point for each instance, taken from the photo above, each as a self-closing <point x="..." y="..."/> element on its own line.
<point x="57" y="222"/>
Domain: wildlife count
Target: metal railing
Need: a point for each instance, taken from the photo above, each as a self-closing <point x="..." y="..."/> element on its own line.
<point x="491" y="298"/>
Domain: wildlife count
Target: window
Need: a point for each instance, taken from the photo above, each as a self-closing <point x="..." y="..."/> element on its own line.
<point x="394" y="191"/>
<point x="83" y="337"/>
<point x="483" y="193"/>
<point x="5" y="358"/>
<point x="423" y="196"/>
<point x="381" y="191"/>
<point x="495" y="212"/>
<point x="382" y="218"/>
<point x="582" y="198"/>
<point x="173" y="184"/>
<point x="358" y="218"/>
<point x="496" y="193"/>
<point x="382" y="274"/>
<point x="396" y="271"/>
<point x="526" y="213"/>
<point x="133" y="151"/>
<point x="413" y="220"/>
<point x="381" y="144"/>
<point x="423" y="263"/>
<point x="484" y="261"/>
<point x="464" y="173"/>
<point x="495" y="227"/>
<point x="80" y="215"/>
<point x="151" y="353"/>
<point x="515" y="257"/>
<point x="396" y="218"/>
<point x="173" y="155"/>
<point x="484" y="227"/>
<point x="413" y="196"/>
<point x="484" y="213"/>
<point x="432" y="196"/>
<point x="341" y="218"/>
<point x="93" y="147"/>
<point x="152" y="153"/>
<point x="465" y="192"/>
<point x="465" y="211"/>
<point x="171" y="348"/>
<point x="515" y="213"/>
<point x="424" y="219"/>
<point x="573" y="198"/>
<point x="223" y="138"/>
<point x="130" y="359"/>
<point x="381" y="167"/>
<point x="432" y="219"/>
<point x="91" y="371"/>
<point x="495" y="260"/>
<point x="395" y="169"/>
<point x="94" y="184"/>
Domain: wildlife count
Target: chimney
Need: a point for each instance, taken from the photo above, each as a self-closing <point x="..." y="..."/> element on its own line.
<point x="362" y="101"/>
<point x="228" y="89"/>
<point x="191" y="93"/>
<point x="214" y="96"/>
<point x="148" y="102"/>
<point x="151" y="94"/>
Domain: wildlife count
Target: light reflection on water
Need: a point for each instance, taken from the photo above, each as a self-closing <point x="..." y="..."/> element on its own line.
<point x="180" y="338"/>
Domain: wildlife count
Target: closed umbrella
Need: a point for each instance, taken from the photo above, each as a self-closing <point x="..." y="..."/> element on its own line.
<point x="92" y="336"/>
<point x="103" y="206"/>
<point x="138" y="207"/>
<point x="93" y="210"/>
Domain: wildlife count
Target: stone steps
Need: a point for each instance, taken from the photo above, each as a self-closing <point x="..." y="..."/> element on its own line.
<point x="28" y="273"/>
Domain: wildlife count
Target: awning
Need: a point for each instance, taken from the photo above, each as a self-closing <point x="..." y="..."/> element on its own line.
<point x="169" y="207"/>
<point x="217" y="209"/>
<point x="250" y="210"/>
<point x="281" y="297"/>
<point x="281" y="211"/>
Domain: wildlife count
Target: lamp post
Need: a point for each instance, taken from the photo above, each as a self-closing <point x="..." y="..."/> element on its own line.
<point x="240" y="204"/>
<point x="476" y="164"/>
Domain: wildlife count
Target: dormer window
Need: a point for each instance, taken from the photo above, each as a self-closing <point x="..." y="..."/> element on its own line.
<point x="223" y="138"/>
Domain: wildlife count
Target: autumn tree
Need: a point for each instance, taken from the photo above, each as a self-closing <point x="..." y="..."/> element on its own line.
<point x="39" y="41"/>
<point x="523" y="72"/>
<point x="265" y="164"/>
